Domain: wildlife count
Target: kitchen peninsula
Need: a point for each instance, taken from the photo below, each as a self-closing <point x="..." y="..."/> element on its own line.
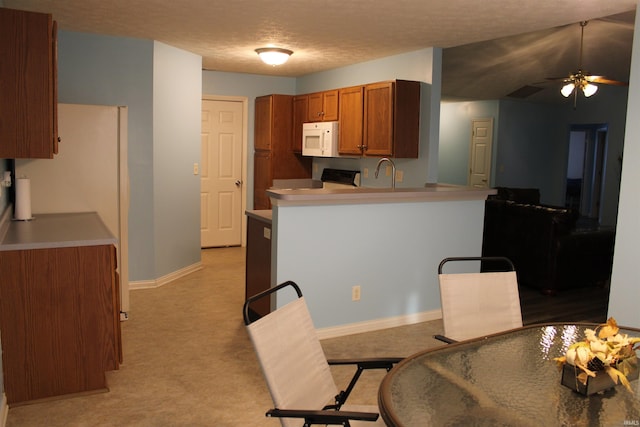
<point x="59" y="306"/>
<point x="386" y="242"/>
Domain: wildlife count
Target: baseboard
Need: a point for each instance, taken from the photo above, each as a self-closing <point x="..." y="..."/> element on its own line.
<point x="378" y="324"/>
<point x="4" y="411"/>
<point x="148" y="284"/>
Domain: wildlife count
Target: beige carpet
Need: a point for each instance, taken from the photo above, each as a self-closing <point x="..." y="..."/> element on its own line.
<point x="188" y="360"/>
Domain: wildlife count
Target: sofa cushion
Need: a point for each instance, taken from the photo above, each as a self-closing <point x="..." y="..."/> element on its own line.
<point x="544" y="246"/>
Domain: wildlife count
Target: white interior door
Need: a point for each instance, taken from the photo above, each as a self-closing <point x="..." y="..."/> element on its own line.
<point x="221" y="173"/>
<point x="480" y="154"/>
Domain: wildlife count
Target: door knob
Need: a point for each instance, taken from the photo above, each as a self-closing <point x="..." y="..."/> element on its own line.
<point x="238" y="183"/>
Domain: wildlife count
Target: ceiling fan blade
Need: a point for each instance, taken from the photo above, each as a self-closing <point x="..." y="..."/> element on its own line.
<point x="606" y="81"/>
<point x="557" y="78"/>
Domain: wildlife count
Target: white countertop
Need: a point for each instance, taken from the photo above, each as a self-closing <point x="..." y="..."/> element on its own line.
<point x="47" y="231"/>
<point x="264" y="215"/>
<point x="362" y="195"/>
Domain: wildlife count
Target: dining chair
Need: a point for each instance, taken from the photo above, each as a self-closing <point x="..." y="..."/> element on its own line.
<point x="481" y="303"/>
<point x="297" y="372"/>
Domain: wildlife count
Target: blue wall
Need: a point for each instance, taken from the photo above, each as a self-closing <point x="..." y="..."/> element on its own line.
<point x="455" y="137"/>
<point x="625" y="290"/>
<point x="177" y="123"/>
<point x="609" y="106"/>
<point x="105" y="70"/>
<point x="530" y="149"/>
<point x="162" y="88"/>
<point x="531" y="143"/>
<point x="391" y="250"/>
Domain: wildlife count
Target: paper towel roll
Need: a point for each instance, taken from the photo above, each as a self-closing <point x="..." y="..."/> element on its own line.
<point x="23" y="199"/>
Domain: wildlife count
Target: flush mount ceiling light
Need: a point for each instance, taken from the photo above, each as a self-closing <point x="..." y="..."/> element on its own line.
<point x="274" y="55"/>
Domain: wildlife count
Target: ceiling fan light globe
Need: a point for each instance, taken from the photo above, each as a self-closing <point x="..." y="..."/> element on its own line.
<point x="589" y="89"/>
<point x="567" y="89"/>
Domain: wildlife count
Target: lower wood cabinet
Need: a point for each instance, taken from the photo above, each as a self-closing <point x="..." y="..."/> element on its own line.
<point x="59" y="320"/>
<point x="258" y="265"/>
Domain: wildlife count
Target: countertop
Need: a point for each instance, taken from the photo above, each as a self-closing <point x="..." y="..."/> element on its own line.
<point x="362" y="195"/>
<point x="264" y="215"/>
<point x="47" y="231"/>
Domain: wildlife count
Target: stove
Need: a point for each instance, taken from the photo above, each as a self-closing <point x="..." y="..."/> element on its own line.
<point x="340" y="178"/>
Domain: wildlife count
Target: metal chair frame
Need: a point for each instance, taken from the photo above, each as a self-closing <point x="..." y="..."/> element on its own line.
<point x="329" y="414"/>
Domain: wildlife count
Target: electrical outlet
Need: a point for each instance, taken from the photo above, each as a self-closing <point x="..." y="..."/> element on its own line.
<point x="399" y="176"/>
<point x="365" y="173"/>
<point x="387" y="171"/>
<point x="355" y="293"/>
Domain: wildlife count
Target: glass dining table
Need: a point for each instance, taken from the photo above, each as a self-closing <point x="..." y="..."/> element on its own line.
<point x="506" y="379"/>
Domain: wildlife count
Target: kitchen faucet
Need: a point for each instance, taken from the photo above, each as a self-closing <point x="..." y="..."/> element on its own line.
<point x="393" y="170"/>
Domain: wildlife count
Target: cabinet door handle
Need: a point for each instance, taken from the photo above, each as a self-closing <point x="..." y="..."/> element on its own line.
<point x="238" y="183"/>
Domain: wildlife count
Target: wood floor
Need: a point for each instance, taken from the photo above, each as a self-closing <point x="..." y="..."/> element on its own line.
<point x="578" y="305"/>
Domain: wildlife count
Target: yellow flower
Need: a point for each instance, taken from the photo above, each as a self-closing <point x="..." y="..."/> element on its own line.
<point x="603" y="348"/>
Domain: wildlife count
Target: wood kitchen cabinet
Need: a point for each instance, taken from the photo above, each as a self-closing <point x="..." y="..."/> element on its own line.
<point x="59" y="320"/>
<point x="351" y="120"/>
<point x="323" y="106"/>
<point x="392" y="119"/>
<point x="274" y="158"/>
<point x="300" y="116"/>
<point x="381" y="119"/>
<point x="28" y="84"/>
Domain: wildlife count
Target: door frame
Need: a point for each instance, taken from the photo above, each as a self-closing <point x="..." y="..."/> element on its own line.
<point x="245" y="142"/>
<point x="595" y="159"/>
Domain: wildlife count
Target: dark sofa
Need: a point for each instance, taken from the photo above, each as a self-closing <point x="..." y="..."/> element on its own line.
<point x="549" y="251"/>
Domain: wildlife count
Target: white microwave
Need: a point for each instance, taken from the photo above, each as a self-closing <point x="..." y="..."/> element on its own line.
<point x="320" y="139"/>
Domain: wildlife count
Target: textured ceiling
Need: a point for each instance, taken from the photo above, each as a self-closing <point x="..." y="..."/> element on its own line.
<point x="496" y="68"/>
<point x="326" y="34"/>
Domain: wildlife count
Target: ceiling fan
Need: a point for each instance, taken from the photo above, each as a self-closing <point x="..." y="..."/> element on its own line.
<point x="583" y="80"/>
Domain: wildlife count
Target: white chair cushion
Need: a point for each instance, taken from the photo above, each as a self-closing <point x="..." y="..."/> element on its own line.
<point x="292" y="360"/>
<point x="479" y="304"/>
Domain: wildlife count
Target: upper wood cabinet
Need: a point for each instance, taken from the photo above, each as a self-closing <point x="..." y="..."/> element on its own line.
<point x="300" y="116"/>
<point x="28" y="84"/>
<point x="323" y="106"/>
<point x="274" y="157"/>
<point x="351" y="119"/>
<point x="381" y="119"/>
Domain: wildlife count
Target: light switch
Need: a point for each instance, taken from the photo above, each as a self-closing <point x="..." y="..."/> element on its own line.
<point x="195" y="169"/>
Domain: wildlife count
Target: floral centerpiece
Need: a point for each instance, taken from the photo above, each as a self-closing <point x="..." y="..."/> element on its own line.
<point x="604" y="358"/>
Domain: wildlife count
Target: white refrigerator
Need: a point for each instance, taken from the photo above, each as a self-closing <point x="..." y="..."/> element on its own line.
<point x="89" y="174"/>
